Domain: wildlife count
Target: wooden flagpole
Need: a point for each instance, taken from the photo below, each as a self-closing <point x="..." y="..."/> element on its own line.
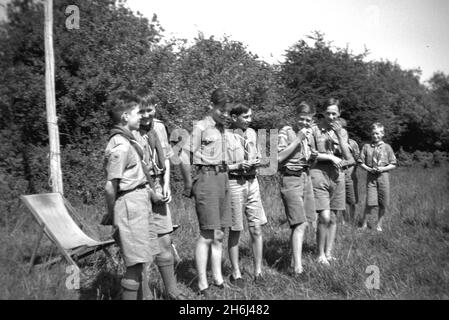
<point x="52" y="121"/>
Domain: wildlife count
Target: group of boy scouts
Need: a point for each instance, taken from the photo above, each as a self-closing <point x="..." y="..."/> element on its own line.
<point x="317" y="164"/>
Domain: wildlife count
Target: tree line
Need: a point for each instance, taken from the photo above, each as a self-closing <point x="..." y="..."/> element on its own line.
<point x="116" y="49"/>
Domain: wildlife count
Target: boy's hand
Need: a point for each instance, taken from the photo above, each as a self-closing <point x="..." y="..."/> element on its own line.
<point x="336" y="126"/>
<point x="336" y="160"/>
<point x="166" y="194"/>
<point x="157" y="197"/>
<point x="372" y="170"/>
<point x="245" y="165"/>
<point x="301" y="136"/>
<point x="187" y="191"/>
<point x="255" y="163"/>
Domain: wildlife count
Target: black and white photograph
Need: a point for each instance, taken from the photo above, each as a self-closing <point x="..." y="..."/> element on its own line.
<point x="241" y="151"/>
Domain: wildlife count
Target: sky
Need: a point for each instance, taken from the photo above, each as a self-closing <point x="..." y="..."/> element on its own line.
<point x="413" y="33"/>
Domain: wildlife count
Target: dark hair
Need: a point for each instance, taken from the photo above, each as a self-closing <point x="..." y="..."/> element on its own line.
<point x="238" y="109"/>
<point x="120" y="102"/>
<point x="219" y="97"/>
<point x="333" y="102"/>
<point x="305" y="108"/>
<point x="149" y="99"/>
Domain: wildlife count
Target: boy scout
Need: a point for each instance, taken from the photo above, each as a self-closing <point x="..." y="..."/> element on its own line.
<point x="377" y="158"/>
<point x="295" y="156"/>
<point x="245" y="194"/>
<point x="331" y="142"/>
<point x="351" y="181"/>
<point x="210" y="189"/>
<point x="158" y="152"/>
<point x="128" y="196"/>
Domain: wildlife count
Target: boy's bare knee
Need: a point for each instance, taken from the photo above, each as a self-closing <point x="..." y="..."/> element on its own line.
<point x="218" y="235"/>
<point x="333" y="217"/>
<point x="256" y="231"/>
<point x="324" y="216"/>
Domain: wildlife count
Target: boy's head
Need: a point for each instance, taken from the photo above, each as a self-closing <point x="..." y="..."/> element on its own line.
<point x="123" y="109"/>
<point x="148" y="105"/>
<point x="304" y="114"/>
<point x="241" y="116"/>
<point x="377" y="132"/>
<point x="332" y="111"/>
<point x="220" y="106"/>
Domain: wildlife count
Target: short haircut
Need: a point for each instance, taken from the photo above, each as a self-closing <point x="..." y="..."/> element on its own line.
<point x="218" y="97"/>
<point x="378" y="125"/>
<point x="238" y="109"/>
<point x="333" y="102"/>
<point x="305" y="108"/>
<point x="149" y="99"/>
<point x="119" y="103"/>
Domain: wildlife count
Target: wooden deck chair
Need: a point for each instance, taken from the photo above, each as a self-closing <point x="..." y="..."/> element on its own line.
<point x="51" y="211"/>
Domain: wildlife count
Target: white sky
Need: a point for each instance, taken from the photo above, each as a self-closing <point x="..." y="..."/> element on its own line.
<point x="415" y="33"/>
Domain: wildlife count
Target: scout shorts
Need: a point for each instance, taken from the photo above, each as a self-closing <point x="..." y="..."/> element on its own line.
<point x="378" y="189"/>
<point x="245" y="199"/>
<point x="351" y="186"/>
<point x="212" y="200"/>
<point x="298" y="199"/>
<point x="161" y="212"/>
<point x="328" y="188"/>
<point x="133" y="219"/>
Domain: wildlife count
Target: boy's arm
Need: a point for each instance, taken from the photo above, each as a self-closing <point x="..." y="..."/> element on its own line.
<point x="367" y="168"/>
<point x="286" y="150"/>
<point x="110" y="192"/>
<point x="391" y="159"/>
<point x="166" y="186"/>
<point x="386" y="168"/>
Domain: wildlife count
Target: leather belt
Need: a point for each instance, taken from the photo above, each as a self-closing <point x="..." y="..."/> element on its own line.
<point x="217" y="168"/>
<point x="122" y="193"/>
<point x="241" y="177"/>
<point x="296" y="173"/>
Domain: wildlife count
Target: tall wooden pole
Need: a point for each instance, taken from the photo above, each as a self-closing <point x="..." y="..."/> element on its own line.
<point x="52" y="121"/>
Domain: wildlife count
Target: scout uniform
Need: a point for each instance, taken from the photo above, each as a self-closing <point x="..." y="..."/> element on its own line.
<point x="377" y="184"/>
<point x="328" y="181"/>
<point x="132" y="208"/>
<point x="351" y="181"/>
<point x="211" y="185"/>
<point x="296" y="185"/>
<point x="243" y="185"/>
<point x="156" y="168"/>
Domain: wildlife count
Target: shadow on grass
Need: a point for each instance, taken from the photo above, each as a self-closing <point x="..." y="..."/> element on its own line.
<point x="186" y="273"/>
<point x="105" y="286"/>
<point x="278" y="255"/>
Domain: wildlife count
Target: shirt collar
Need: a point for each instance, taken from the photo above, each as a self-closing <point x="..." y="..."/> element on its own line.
<point x="377" y="144"/>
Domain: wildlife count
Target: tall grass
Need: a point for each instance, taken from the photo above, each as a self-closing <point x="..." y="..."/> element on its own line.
<point x="411" y="253"/>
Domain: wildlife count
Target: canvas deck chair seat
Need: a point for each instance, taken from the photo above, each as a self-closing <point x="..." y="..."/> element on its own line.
<point x="51" y="211"/>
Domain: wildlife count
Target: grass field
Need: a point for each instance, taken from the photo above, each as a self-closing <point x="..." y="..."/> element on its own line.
<point x="412" y="253"/>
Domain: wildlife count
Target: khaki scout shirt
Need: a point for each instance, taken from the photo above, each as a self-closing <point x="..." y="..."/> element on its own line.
<point x="150" y="154"/>
<point x="123" y="163"/>
<point x="326" y="140"/>
<point x="301" y="157"/>
<point x="240" y="148"/>
<point x="207" y="144"/>
<point x="379" y="155"/>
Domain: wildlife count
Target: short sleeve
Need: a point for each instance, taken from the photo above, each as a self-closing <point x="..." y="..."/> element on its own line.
<point x="391" y="157"/>
<point x="116" y="160"/>
<point x="163" y="138"/>
<point x="283" y="140"/>
<point x="362" y="157"/>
